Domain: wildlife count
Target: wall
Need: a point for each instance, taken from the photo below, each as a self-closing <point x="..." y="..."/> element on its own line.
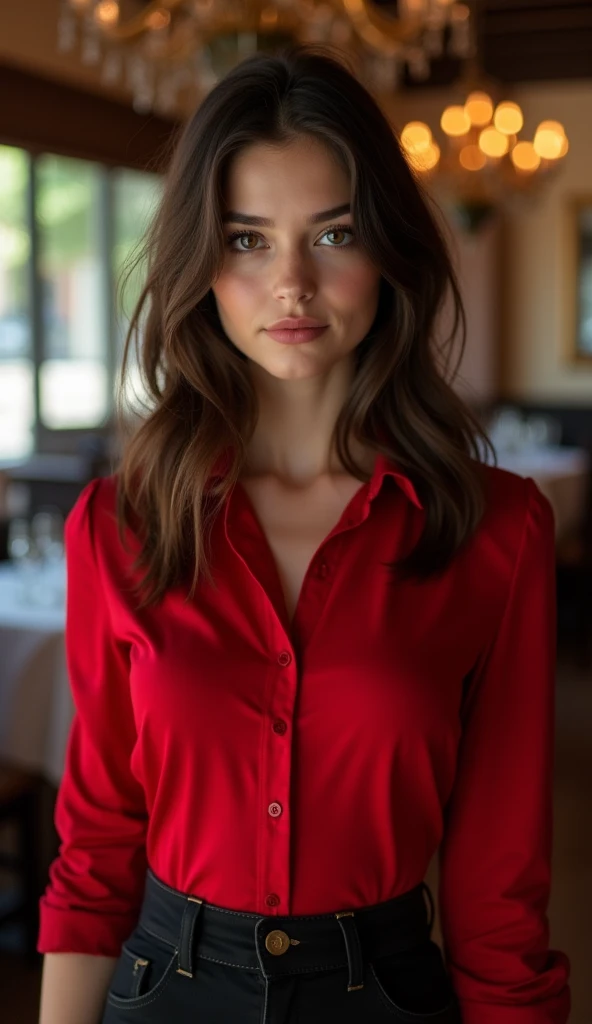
<point x="520" y="314"/>
<point x="538" y="263"/>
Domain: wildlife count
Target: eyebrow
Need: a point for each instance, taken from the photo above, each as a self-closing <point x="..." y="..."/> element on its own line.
<point x="265" y="222"/>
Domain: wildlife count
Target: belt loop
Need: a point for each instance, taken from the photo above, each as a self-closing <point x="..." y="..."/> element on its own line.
<point x="354" y="950"/>
<point x="432" y="914"/>
<point x="190" y="915"/>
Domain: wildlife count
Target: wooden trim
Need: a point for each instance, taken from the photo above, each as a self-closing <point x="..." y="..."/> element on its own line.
<point x="44" y="115"/>
<point x="574" y="205"/>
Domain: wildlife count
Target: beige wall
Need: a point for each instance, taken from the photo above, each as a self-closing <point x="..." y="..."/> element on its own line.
<point x="537" y="341"/>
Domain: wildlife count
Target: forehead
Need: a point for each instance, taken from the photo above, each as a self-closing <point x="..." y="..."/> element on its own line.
<point x="265" y="176"/>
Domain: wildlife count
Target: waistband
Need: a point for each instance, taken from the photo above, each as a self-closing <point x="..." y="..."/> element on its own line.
<point x="290" y="944"/>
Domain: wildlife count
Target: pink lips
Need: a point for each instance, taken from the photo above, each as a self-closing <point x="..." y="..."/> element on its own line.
<point x="294" y="330"/>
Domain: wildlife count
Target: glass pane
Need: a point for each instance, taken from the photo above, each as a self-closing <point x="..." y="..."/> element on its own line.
<point x="16" y="368"/>
<point x="73" y="375"/>
<point x="136" y="195"/>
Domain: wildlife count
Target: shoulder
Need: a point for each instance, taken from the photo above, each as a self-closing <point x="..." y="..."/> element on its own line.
<point x="91" y="528"/>
<point x="511" y="499"/>
<point x="97" y="500"/>
<point x="517" y="517"/>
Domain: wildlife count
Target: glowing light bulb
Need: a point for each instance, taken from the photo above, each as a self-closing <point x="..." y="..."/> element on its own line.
<point x="472" y="158"/>
<point x="549" y="140"/>
<point x="416" y="137"/>
<point x="508" y="118"/>
<point x="493" y="143"/>
<point x="455" y="121"/>
<point x="479" y="108"/>
<point x="524" y="157"/>
<point x="426" y="159"/>
<point x="106" y="12"/>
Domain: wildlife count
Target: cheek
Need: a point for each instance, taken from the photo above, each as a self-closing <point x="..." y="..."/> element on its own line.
<point x="356" y="287"/>
<point x="234" y="295"/>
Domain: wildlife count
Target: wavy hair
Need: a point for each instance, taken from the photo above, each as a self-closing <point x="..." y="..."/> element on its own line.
<point x="201" y="403"/>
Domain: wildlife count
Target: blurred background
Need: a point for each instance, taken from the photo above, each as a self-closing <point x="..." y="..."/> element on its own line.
<point x="492" y="100"/>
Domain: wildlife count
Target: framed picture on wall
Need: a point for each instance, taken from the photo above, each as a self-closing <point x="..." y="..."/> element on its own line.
<point x="579" y="292"/>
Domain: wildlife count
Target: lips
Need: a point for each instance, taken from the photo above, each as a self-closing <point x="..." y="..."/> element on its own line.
<point x="295" y="324"/>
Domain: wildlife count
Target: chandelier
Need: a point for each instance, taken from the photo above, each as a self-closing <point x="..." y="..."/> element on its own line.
<point x="171" y="51"/>
<point x="481" y="162"/>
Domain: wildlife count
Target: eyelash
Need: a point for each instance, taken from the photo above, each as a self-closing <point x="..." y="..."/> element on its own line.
<point x="334" y="227"/>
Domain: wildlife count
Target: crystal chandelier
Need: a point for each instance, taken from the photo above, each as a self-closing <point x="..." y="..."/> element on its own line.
<point x="481" y="162"/>
<point x="167" y="49"/>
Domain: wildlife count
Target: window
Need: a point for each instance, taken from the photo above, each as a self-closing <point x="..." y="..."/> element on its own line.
<point x="66" y="228"/>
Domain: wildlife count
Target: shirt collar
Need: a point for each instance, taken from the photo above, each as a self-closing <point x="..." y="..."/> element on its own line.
<point x="383" y="467"/>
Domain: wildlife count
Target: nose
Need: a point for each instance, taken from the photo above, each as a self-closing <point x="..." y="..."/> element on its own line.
<point x="293" y="277"/>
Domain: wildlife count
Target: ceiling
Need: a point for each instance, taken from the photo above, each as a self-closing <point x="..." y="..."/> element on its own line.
<point x="525" y="41"/>
<point x="520" y="41"/>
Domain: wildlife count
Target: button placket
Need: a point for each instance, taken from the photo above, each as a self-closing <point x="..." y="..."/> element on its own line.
<point x="275" y="861"/>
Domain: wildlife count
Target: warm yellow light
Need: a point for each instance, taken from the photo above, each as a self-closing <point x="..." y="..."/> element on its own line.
<point x="107" y="12"/>
<point x="549" y="140"/>
<point x="551" y="126"/>
<point x="471" y="158"/>
<point x="564" y="147"/>
<point x="524" y="157"/>
<point x="455" y="121"/>
<point x="416" y="137"/>
<point x="508" y="118"/>
<point x="269" y="17"/>
<point x="493" y="143"/>
<point x="427" y="159"/>
<point x="158" y="20"/>
<point x="479" y="108"/>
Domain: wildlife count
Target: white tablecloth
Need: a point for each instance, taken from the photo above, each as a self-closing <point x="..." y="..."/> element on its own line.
<point x="36" y="707"/>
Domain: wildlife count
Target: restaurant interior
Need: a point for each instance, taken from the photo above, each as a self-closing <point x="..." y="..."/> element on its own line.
<point x="492" y="103"/>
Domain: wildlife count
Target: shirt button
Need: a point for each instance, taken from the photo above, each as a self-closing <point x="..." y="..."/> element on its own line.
<point x="279" y="726"/>
<point x="275" y="810"/>
<point x="272" y="900"/>
<point x="323" y="570"/>
<point x="285" y="658"/>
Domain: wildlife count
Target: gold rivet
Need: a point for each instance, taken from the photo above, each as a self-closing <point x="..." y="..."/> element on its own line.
<point x="277" y="942"/>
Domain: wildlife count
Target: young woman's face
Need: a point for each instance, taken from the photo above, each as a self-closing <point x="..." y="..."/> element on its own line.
<point x="292" y="267"/>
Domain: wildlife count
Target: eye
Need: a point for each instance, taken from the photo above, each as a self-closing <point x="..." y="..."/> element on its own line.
<point x="242" y="234"/>
<point x="335" y="229"/>
<point x="339" y="229"/>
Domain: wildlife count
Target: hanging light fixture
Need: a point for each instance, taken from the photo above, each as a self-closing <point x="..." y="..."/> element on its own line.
<point x="480" y="160"/>
<point x="166" y="48"/>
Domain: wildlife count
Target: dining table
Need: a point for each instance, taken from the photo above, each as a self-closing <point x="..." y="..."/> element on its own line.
<point x="36" y="706"/>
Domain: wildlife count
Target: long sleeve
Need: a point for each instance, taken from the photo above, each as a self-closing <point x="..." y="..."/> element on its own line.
<point x="495" y="857"/>
<point x="96" y="882"/>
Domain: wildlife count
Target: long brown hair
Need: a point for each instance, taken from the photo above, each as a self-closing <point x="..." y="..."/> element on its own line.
<point x="201" y="403"/>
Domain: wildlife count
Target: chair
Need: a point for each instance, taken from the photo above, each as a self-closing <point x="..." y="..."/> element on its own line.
<point x="19" y="805"/>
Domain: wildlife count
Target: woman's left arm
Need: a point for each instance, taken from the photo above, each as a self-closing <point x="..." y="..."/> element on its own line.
<point x="495" y="857"/>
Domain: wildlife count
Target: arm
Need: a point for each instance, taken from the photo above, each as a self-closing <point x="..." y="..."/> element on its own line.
<point x="495" y="858"/>
<point x="74" y="987"/>
<point x="96" y="883"/>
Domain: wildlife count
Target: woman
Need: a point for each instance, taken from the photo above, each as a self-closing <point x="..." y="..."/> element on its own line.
<point x="310" y="633"/>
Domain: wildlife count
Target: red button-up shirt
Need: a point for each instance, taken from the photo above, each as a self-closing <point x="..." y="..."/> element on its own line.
<point x="301" y="769"/>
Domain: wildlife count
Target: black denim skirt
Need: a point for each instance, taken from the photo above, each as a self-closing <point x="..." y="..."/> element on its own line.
<point x="191" y="962"/>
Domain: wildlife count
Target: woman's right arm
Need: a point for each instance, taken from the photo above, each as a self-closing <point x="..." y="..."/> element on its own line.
<point x="74" y="987"/>
<point x="96" y="883"/>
